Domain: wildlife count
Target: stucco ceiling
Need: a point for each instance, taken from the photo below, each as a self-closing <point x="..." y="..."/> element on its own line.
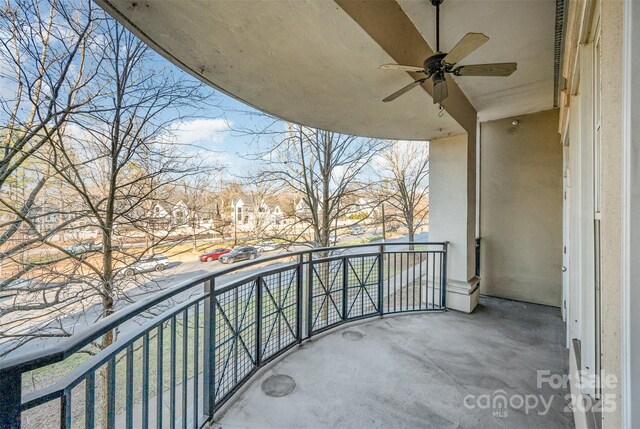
<point x="312" y="63"/>
<point x="519" y="30"/>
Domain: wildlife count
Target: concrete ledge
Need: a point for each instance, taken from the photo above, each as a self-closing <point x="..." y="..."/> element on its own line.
<point x="463" y="296"/>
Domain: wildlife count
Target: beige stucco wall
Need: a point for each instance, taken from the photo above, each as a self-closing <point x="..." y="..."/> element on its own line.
<point x="448" y="197"/>
<point x="521" y="208"/>
<point x="611" y="19"/>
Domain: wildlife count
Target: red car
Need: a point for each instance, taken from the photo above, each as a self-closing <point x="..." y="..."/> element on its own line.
<point x="213" y="255"/>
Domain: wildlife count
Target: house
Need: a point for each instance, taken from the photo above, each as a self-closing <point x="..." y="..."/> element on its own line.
<point x="160" y="214"/>
<point x="361" y="207"/>
<point x="247" y="216"/>
<point x="302" y="209"/>
<point x="165" y="214"/>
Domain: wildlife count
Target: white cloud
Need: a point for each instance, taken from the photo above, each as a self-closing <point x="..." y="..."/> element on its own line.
<point x="202" y="132"/>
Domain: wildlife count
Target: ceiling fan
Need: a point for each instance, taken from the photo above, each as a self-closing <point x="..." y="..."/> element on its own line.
<point x="440" y="63"/>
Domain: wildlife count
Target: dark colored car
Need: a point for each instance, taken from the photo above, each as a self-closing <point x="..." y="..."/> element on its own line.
<point x="213" y="255"/>
<point x="239" y="254"/>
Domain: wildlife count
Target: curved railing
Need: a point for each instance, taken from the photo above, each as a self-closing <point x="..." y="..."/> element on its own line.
<point x="183" y="352"/>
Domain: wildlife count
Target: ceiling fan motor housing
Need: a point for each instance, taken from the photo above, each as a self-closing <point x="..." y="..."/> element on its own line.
<point x="434" y="65"/>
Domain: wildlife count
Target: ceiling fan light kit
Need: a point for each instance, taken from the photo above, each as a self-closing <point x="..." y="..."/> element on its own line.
<point x="440" y="63"/>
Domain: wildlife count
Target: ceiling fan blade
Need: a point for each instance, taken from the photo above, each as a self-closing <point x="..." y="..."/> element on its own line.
<point x="401" y="91"/>
<point x="469" y="43"/>
<point x="440" y="92"/>
<point x="401" y="67"/>
<point x="497" y="69"/>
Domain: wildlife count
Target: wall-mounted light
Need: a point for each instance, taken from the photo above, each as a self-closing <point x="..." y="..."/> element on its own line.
<point x="512" y="129"/>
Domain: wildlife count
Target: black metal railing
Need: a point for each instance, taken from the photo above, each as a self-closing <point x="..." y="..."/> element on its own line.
<point x="182" y="353"/>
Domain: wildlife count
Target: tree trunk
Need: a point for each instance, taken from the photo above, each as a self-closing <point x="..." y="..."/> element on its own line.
<point x="384" y="225"/>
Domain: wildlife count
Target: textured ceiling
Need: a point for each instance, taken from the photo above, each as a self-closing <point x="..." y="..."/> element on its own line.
<point x="309" y="62"/>
<point x="519" y="31"/>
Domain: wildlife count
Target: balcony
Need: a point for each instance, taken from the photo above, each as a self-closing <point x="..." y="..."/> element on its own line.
<point x="211" y="336"/>
<point x="444" y="370"/>
<point x="325" y="317"/>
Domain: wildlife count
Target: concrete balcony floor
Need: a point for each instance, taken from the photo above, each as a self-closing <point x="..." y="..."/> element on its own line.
<point x="417" y="371"/>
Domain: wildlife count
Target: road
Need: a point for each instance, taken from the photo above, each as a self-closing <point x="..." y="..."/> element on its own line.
<point x="176" y="273"/>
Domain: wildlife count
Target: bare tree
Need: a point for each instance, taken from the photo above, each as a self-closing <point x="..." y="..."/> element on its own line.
<point x="322" y="167"/>
<point x="111" y="158"/>
<point x="199" y="202"/>
<point x="45" y="79"/>
<point x="219" y="204"/>
<point x="404" y="184"/>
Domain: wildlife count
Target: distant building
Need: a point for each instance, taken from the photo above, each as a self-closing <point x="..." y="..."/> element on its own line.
<point x="250" y="213"/>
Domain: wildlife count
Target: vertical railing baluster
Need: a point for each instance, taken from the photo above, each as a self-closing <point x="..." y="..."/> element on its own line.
<point x="129" y="388"/>
<point x="172" y="376"/>
<point x="381" y="279"/>
<point x="310" y="297"/>
<point x="395" y="279"/>
<point x="111" y="393"/>
<point x="65" y="410"/>
<point x="345" y="289"/>
<point x="196" y="361"/>
<point x="299" y="297"/>
<point x="258" y="310"/>
<point x="145" y="381"/>
<point x="420" y="283"/>
<point x="159" y="377"/>
<point x="388" y="281"/>
<point x="208" y="369"/>
<point x="433" y="276"/>
<point x="401" y="271"/>
<point x="443" y="282"/>
<point x="185" y="348"/>
<point x="413" y="282"/>
<point x="433" y="286"/>
<point x="89" y="400"/>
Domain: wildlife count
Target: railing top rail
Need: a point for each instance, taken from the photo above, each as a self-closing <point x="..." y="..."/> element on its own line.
<point x="66" y="347"/>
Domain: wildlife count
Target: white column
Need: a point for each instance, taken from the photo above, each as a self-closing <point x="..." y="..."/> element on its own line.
<point x="452" y="214"/>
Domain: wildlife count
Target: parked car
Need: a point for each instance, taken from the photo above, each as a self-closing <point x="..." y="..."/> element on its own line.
<point x="266" y="246"/>
<point x="357" y="230"/>
<point x="213" y="255"/>
<point x="83" y="247"/>
<point x="156" y="262"/>
<point x="239" y="254"/>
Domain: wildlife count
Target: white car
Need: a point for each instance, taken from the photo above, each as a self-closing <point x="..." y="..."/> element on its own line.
<point x="156" y="262"/>
<point x="357" y="230"/>
<point x="266" y="246"/>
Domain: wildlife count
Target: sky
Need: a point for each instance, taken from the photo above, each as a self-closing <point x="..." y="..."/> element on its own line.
<point x="214" y="128"/>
